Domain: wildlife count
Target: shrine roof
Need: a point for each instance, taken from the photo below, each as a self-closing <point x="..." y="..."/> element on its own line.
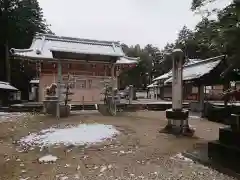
<point x="169" y="74"/>
<point x="44" y="44"/>
<point x="152" y="85"/>
<point x="164" y="76"/>
<point x="7" y="86"/>
<point x="199" y="68"/>
<point x="193" y="69"/>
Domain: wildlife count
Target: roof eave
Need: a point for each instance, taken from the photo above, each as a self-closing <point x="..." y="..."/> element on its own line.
<point x="75" y="39"/>
<point x="41" y="59"/>
<point x="86" y="53"/>
<point x="169" y="80"/>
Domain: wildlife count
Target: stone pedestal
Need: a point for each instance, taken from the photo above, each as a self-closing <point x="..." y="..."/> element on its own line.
<point x="226" y="150"/>
<point x="50" y="106"/>
<point x="178" y="122"/>
<point x="177" y="116"/>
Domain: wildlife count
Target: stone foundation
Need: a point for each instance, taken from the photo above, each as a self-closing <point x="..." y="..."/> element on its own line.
<point x="226" y="150"/>
<point x="178" y="122"/>
<point x="51" y="108"/>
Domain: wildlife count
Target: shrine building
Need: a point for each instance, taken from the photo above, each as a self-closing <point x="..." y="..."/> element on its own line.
<point x="87" y="62"/>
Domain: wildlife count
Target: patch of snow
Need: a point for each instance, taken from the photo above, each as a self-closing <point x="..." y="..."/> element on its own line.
<point x="80" y="135"/>
<point x="103" y="169"/>
<point x="23" y="171"/>
<point x="195" y="117"/>
<point x="24" y="178"/>
<point x="76" y="176"/>
<point x="64" y="178"/>
<point x="47" y="158"/>
<point x="67" y="165"/>
<point x="181" y="157"/>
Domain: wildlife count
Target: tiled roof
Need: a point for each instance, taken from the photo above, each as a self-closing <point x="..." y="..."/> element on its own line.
<point x="43" y="44"/>
<point x="6" y="85"/>
<point x="169" y="74"/>
<point x="164" y="76"/>
<point x="199" y="68"/>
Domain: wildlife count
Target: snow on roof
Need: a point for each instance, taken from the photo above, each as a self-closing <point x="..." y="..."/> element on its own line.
<point x="195" y="66"/>
<point x="169" y="74"/>
<point x="43" y="44"/>
<point x="152" y="85"/>
<point x="34" y="81"/>
<point x="127" y="60"/>
<point x="6" y="85"/>
<point x="198" y="69"/>
<point x="164" y="76"/>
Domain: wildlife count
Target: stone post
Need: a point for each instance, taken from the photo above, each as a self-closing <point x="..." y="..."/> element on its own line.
<point x="59" y="88"/>
<point x="130" y="94"/>
<point x="177" y="56"/>
<point x="177" y="116"/>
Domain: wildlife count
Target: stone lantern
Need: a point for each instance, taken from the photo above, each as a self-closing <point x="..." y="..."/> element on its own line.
<point x="177" y="116"/>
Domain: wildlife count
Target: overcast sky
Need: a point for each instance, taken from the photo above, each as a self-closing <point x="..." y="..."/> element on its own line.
<point x="129" y="21"/>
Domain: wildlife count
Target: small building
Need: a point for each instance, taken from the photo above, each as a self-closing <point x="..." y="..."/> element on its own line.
<point x="87" y="62"/>
<point x="8" y="94"/>
<point x="195" y="74"/>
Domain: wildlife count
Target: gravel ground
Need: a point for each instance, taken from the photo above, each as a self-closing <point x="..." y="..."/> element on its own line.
<point x="138" y="152"/>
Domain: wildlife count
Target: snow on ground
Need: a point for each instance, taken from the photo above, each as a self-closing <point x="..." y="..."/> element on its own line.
<point x="81" y="135"/>
<point x="47" y="158"/>
<point x="5" y="116"/>
<point x="179" y="156"/>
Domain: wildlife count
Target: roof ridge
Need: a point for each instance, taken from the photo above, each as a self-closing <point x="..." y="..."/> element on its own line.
<point x="205" y="60"/>
<point x="75" y="39"/>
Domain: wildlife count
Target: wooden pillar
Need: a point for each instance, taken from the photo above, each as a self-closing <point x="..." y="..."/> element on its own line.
<point x="130" y="96"/>
<point x="113" y="83"/>
<point x="59" y="88"/>
<point x="201" y="97"/>
<point x="154" y="92"/>
<point x="226" y="87"/>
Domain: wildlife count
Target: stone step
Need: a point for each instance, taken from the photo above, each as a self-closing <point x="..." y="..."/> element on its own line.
<point x="83" y="107"/>
<point x="229" y="137"/>
<point x="228" y="156"/>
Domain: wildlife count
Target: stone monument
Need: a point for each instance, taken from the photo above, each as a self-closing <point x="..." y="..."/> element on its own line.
<point x="177" y="116"/>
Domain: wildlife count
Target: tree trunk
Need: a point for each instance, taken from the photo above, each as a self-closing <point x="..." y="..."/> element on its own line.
<point x="7" y="63"/>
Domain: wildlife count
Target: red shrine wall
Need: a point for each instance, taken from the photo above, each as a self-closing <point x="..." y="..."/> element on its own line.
<point x="85" y="88"/>
<point x="86" y="82"/>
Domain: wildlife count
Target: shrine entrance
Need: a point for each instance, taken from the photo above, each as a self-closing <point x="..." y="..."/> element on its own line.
<point x="73" y="66"/>
<point x="86" y="89"/>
